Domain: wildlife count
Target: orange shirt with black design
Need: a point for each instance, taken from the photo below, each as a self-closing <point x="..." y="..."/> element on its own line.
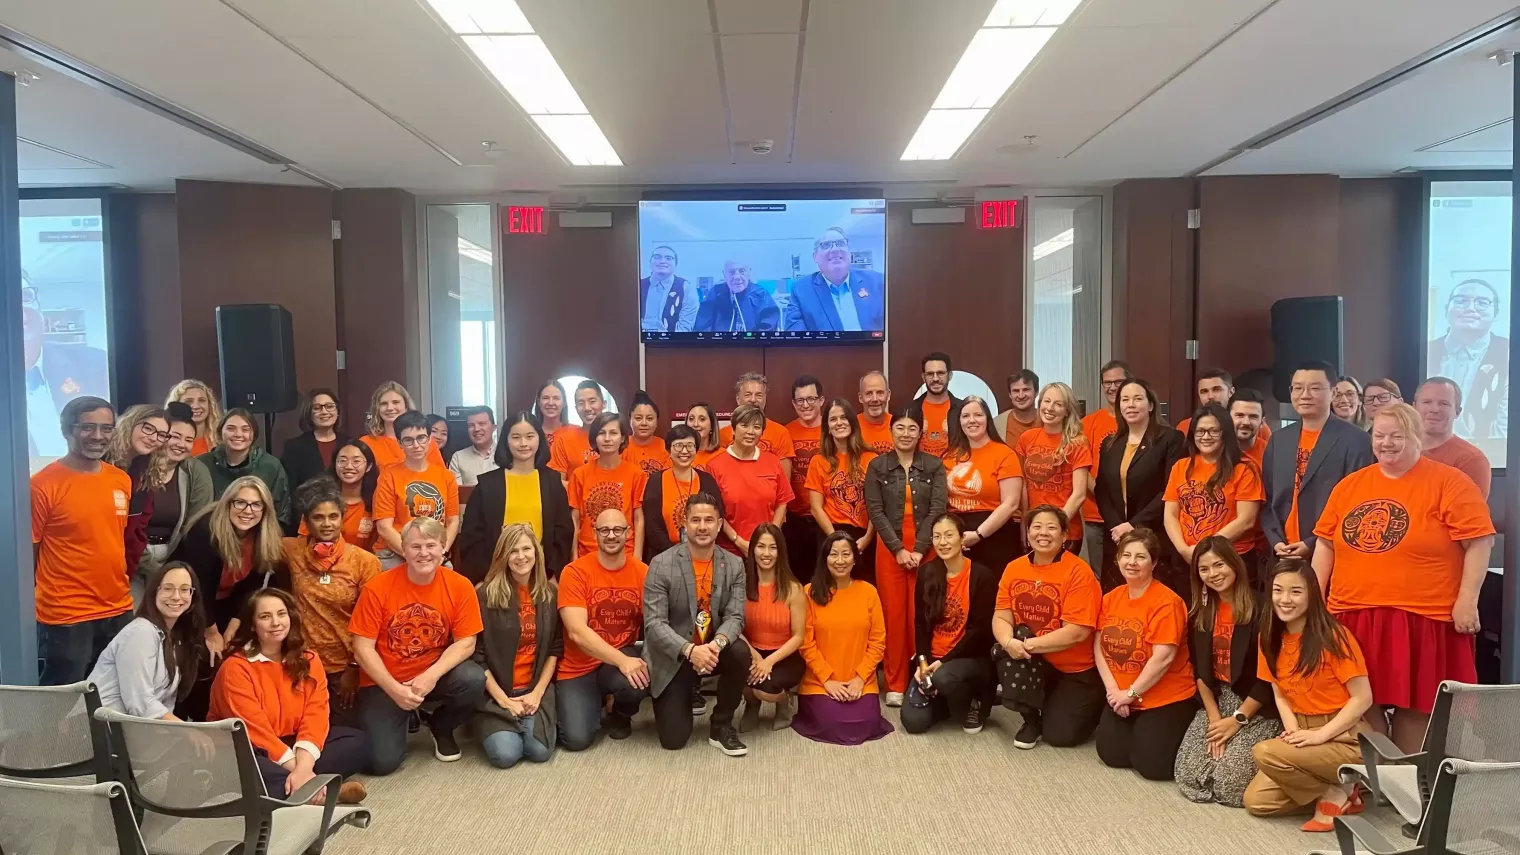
<point x="387" y="452"/>
<point x="974" y="481"/>
<point x="1323" y="692"/>
<point x="844" y="639"/>
<point x="1307" y="439"/>
<point x="594" y="488"/>
<point x="570" y="449"/>
<point x="936" y="436"/>
<point x="877" y="435"/>
<point x="1397" y="541"/>
<point x="843" y="490"/>
<point x="1048" y="471"/>
<point x="775" y="438"/>
<point x="413" y="624"/>
<point x="527" y="640"/>
<point x="1097" y="426"/>
<point x="1128" y="631"/>
<point x="951" y="626"/>
<point x="702" y="574"/>
<point x="79" y="520"/>
<point x="1203" y="510"/>
<point x="805" y="442"/>
<point x="614" y="604"/>
<point x="402" y="495"/>
<point x="1046" y="597"/>
<point x="1222" y="637"/>
<point x="673" y="496"/>
<point x="650" y="457"/>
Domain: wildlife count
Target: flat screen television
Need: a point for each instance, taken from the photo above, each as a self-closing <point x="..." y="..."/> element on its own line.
<point x="777" y="271"/>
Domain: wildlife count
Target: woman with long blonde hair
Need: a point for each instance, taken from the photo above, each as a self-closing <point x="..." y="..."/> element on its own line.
<point x="389" y="401"/>
<point x="137" y="449"/>
<point x="522" y="643"/>
<point x="205" y="409"/>
<point x="1057" y="460"/>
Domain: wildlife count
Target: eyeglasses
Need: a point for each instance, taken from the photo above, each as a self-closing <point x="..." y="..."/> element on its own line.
<point x="834" y="243"/>
<point x="612" y="530"/>
<point x="1112" y="384"/>
<point x="147" y="430"/>
<point x="246" y="505"/>
<point x="808" y="402"/>
<point x="1311" y="389"/>
<point x="413" y="441"/>
<point x="1381" y="398"/>
<point x="661" y="256"/>
<point x="176" y="590"/>
<point x="687" y="447"/>
<point x="93" y="429"/>
<point x="1348" y="395"/>
<point x="324" y="408"/>
<point x="1463" y="302"/>
<point x="1208" y="433"/>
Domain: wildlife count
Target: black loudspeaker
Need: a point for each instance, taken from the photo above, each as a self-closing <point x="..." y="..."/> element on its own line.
<point x="1304" y="329"/>
<point x="257" y="352"/>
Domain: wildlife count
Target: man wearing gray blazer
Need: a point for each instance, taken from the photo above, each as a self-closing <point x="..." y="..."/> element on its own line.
<point x="1295" y="471"/>
<point x="693" y="620"/>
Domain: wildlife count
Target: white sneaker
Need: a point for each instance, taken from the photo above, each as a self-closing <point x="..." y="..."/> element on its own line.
<point x="894" y="699"/>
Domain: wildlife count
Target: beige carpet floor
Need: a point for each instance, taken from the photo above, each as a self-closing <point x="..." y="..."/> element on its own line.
<point x="944" y="792"/>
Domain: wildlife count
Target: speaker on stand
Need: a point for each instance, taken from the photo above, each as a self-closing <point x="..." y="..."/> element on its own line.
<point x="255" y="347"/>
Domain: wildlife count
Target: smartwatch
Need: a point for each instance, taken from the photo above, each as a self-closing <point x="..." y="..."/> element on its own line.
<point x="1242" y="717"/>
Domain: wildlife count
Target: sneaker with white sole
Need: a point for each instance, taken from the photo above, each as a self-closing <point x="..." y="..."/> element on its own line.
<point x="725" y="739"/>
<point x="444" y="746"/>
<point x="972" y="723"/>
<point x="894" y="699"/>
<point x="1028" y="735"/>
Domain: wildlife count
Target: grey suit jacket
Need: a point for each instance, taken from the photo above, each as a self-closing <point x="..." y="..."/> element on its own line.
<point x="670" y="608"/>
<point x="1342" y="448"/>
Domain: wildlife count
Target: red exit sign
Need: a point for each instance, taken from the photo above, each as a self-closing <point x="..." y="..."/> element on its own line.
<point x="999" y="214"/>
<point x="524" y="220"/>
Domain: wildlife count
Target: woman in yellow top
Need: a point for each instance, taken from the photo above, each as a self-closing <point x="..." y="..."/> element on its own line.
<point x="844" y="642"/>
<point x="389" y="401"/>
<point x="522" y="489"/>
<point x="836" y="478"/>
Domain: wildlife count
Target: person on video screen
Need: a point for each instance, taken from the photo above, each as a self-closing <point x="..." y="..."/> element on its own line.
<point x="56" y="373"/>
<point x="1476" y="358"/>
<point x="837" y="297"/>
<point x="667" y="303"/>
<point x="743" y="306"/>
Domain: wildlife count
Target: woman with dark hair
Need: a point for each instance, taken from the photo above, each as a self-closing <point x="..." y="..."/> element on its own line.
<point x="701" y="418"/>
<point x="775" y="622"/>
<point x="836" y="479"/>
<point x="438" y="431"/>
<point x="522" y="489"/>
<point x="985" y="482"/>
<point x="355" y="472"/>
<point x="154" y="661"/>
<point x="842" y="646"/>
<point x="310" y="453"/>
<point x="1047" y="610"/>
<point x="276" y="686"/>
<point x="645" y="448"/>
<point x="1214" y="491"/>
<point x="1321" y="689"/>
<point x="326" y="574"/>
<point x="608" y="481"/>
<point x="752" y="481"/>
<point x="1346" y="401"/>
<point x="1214" y="761"/>
<point x="953" y="630"/>
<point x="1142" y="655"/>
<point x="667" y="490"/>
<point x="1133" y="466"/>
<point x="905" y="490"/>
<point x="239" y="455"/>
<point x="182" y="491"/>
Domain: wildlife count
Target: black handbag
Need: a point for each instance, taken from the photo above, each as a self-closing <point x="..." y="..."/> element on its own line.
<point x="1021" y="682"/>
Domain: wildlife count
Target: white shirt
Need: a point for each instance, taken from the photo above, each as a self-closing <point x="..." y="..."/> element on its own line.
<point x="468" y="464"/>
<point x="844" y="303"/>
<point x="42" y="428"/>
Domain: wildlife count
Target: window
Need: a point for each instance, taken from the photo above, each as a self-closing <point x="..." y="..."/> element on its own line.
<point x="462" y="306"/>
<point x="1064" y="298"/>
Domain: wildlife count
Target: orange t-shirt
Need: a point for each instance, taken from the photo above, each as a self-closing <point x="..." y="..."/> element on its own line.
<point x="673" y="496"/>
<point x="775" y="438"/>
<point x="413" y="624"/>
<point x="387" y="452"/>
<point x="936" y="436"/>
<point x="878" y="437"/>
<point x="403" y="495"/>
<point x="805" y="442"/>
<point x="614" y="604"/>
<point x="358" y="526"/>
<point x="844" y="493"/>
<point x="593" y="489"/>
<point x="974" y="482"/>
<point x="650" y="457"/>
<point x="1258" y="449"/>
<point x="1129" y="628"/>
<point x="1465" y="457"/>
<point x="844" y="639"/>
<point x="527" y="640"/>
<point x="1307" y="439"/>
<point x="78" y="521"/>
<point x="570" y="449"/>
<point x="1396" y="539"/>
<point x="1048" y="474"/>
<point x="1099" y="425"/>
<point x="201" y="445"/>
<point x="951" y="627"/>
<point x="1046" y="597"/>
<point x="1323" y="692"/>
<point x="1203" y="511"/>
<point x="751" y="489"/>
<point x="1222" y="637"/>
<point x="702" y="573"/>
<point x="700" y="462"/>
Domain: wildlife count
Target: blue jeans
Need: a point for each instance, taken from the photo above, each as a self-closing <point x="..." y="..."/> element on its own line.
<point x="579" y="702"/>
<point x="66" y="653"/>
<point x="505" y="748"/>
<point x="455" y="696"/>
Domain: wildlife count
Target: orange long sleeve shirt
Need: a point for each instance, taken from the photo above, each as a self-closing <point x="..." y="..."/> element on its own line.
<point x="257" y="690"/>
<point x="844" y="639"/>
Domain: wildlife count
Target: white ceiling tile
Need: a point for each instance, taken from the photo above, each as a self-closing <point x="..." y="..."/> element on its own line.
<point x="754" y="16"/>
<point x="758" y="70"/>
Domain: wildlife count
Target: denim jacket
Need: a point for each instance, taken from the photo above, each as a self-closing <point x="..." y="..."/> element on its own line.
<point x="885" y="495"/>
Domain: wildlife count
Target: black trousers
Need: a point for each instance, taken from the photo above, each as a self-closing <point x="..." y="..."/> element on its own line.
<point x="1146" y="740"/>
<point x="785" y="676"/>
<point x="802" y="537"/>
<point x="999" y="550"/>
<point x="672" y="708"/>
<point x="865" y="566"/>
<point x="957" y="683"/>
<point x="1073" y="703"/>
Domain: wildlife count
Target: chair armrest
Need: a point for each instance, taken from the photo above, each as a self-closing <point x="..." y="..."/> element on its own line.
<point x="304" y="795"/>
<point x="1377" y="747"/>
<point x="1356" y="834"/>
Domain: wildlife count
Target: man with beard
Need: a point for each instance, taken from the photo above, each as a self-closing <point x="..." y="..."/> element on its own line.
<point x="1474" y="358"/>
<point x="838" y="297"/>
<point x="875" y="420"/>
<point x="936" y="404"/>
<point x="1247" y="410"/>
<point x="601" y="606"/>
<point x="667" y="303"/>
<point x="1023" y="389"/>
<point x="740" y="307"/>
<point x="55" y="373"/>
<point x="694" y="598"/>
<point x="79" y="516"/>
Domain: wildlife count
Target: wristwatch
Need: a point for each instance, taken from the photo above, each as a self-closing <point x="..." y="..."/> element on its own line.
<point x="1242" y="717"/>
<point x="1133" y="695"/>
<point x="721" y="641"/>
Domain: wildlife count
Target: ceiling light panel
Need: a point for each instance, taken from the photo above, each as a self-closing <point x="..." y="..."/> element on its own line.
<point x="499" y="35"/>
<point x="941" y="134"/>
<point x="1031" y="13"/>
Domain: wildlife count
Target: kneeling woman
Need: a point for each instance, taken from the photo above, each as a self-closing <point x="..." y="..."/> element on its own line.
<point x="1319" y="682"/>
<point x="519" y="647"/>
<point x="954" y="597"/>
<point x="775" y="623"/>
<point x="1054" y="596"/>
<point x="1214" y="763"/>
<point x="1142" y="655"/>
<point x="153" y="661"/>
<point x="277" y="687"/>
<point x="839" y="700"/>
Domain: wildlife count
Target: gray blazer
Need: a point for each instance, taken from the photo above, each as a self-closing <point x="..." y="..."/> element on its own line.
<point x="1342" y="448"/>
<point x="670" y="608"/>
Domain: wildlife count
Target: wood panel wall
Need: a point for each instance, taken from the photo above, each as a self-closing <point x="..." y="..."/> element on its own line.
<point x="145" y="296"/>
<point x="376" y="295"/>
<point x="1380" y="277"/>
<point x="1153" y="284"/>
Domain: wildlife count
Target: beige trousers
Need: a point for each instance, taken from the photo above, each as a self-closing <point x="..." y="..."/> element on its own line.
<point x="1290" y="777"/>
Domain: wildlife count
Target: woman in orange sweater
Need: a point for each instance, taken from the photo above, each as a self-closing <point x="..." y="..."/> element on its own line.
<point x="845" y="638"/>
<point x="277" y="687"/>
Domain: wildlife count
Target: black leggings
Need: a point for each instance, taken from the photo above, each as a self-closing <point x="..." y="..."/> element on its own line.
<point x="999" y="550"/>
<point x="802" y="539"/>
<point x="957" y="683"/>
<point x="1073" y="703"/>
<point x="785" y="676"/>
<point x="1146" y="740"/>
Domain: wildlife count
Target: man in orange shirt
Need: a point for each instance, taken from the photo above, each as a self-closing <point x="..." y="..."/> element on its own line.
<point x="1215" y="386"/>
<point x="1439" y="401"/>
<point x="936" y="404"/>
<point x="79" y="516"/>
<point x="806" y="431"/>
<point x="752" y="389"/>
<point x="416" y="487"/>
<point x="1247" y="413"/>
<point x="875" y="419"/>
<point x="571" y="446"/>
<point x="1097" y="426"/>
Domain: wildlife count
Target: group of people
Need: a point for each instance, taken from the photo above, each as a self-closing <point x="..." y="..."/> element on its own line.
<point x="1217" y="603"/>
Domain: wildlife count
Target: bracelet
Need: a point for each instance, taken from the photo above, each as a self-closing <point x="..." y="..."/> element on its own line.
<point x="978" y="532"/>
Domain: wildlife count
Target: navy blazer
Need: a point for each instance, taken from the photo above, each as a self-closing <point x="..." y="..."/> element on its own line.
<point x="812" y="308"/>
<point x="1342" y="448"/>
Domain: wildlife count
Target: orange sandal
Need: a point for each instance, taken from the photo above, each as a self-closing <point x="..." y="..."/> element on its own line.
<point x="1329" y="809"/>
